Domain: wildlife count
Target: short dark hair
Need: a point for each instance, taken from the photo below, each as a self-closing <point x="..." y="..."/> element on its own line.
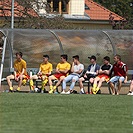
<point x="19" y="53"/>
<point x="46" y="56"/>
<point x="76" y="57"/>
<point x="93" y="57"/>
<point x="107" y="58"/>
<point x="118" y="56"/>
<point x="64" y="56"/>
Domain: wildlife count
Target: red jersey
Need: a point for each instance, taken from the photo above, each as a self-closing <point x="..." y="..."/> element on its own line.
<point x="120" y="69"/>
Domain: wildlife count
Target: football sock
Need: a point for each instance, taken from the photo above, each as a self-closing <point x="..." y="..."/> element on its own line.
<point x="31" y="82"/>
<point x="44" y="82"/>
<point x="54" y="88"/>
<point x="94" y="87"/>
<point x="82" y="90"/>
<point x="51" y="87"/>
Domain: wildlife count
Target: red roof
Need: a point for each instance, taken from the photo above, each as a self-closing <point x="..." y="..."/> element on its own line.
<point x="5" y="9"/>
<point x="98" y="12"/>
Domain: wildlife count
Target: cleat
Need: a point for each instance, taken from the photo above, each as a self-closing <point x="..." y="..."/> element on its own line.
<point x="51" y="91"/>
<point x="63" y="92"/>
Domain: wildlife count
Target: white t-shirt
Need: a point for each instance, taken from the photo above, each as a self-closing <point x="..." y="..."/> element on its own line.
<point x="77" y="68"/>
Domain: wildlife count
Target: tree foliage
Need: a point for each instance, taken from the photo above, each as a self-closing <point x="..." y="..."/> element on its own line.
<point x="123" y="8"/>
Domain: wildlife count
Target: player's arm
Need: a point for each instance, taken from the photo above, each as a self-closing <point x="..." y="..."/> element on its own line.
<point x="125" y="69"/>
<point x="72" y="68"/>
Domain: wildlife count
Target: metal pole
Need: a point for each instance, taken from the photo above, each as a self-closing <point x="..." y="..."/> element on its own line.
<point x="2" y="61"/>
<point x="59" y="41"/>
<point x="12" y="17"/>
<point x="114" y="50"/>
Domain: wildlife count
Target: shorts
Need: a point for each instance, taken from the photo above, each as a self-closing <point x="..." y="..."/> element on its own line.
<point x="116" y="79"/>
<point x="24" y="76"/>
<point x="58" y="75"/>
<point x="105" y="76"/>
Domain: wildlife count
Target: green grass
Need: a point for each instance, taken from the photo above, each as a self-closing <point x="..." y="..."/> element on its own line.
<point x="45" y="113"/>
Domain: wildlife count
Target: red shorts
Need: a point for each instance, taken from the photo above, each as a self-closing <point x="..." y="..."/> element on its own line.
<point x="40" y="76"/>
<point x="25" y="76"/>
<point x="58" y="75"/>
<point x="105" y="76"/>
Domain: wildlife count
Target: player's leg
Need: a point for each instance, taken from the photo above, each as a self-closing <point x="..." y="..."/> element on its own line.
<point x="130" y="88"/>
<point x="74" y="79"/>
<point x="121" y="80"/>
<point x="81" y="84"/>
<point x="66" y="79"/>
<point x="111" y="83"/>
<point x="31" y="83"/>
<point x="9" y="78"/>
<point x="99" y="85"/>
<point x="59" y="82"/>
<point x="95" y="84"/>
<point x="44" y="82"/>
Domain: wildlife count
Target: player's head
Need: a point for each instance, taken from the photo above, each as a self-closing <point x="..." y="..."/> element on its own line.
<point x="64" y="57"/>
<point x="106" y="59"/>
<point x="117" y="58"/>
<point x="92" y="59"/>
<point x="46" y="56"/>
<point x="19" y="55"/>
<point x="76" y="57"/>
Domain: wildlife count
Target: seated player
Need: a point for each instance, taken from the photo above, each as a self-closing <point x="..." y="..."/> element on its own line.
<point x="119" y="76"/>
<point x="103" y="75"/>
<point x="76" y="69"/>
<point x="19" y="72"/>
<point x="90" y="74"/>
<point x="62" y="71"/>
<point x="44" y="71"/>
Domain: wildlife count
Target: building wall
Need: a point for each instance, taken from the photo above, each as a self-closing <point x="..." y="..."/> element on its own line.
<point x="77" y="7"/>
<point x="91" y="25"/>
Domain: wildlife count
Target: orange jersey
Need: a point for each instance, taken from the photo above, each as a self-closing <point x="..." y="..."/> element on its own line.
<point x="19" y="66"/>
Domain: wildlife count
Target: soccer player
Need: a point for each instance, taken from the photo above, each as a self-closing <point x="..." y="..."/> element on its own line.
<point x="45" y="70"/>
<point x="90" y="74"/>
<point x="20" y="72"/>
<point x="62" y="71"/>
<point x="104" y="75"/>
<point x="76" y="69"/>
<point x="120" y="74"/>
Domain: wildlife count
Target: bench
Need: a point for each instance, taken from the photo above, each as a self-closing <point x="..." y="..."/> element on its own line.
<point x="32" y="71"/>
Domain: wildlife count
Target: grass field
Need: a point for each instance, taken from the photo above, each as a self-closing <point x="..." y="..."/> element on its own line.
<point x="45" y="113"/>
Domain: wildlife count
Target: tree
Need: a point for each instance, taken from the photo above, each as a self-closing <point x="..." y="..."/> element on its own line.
<point x="26" y="15"/>
<point x="123" y="8"/>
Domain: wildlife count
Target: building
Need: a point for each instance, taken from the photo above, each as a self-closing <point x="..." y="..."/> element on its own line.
<point x="86" y="14"/>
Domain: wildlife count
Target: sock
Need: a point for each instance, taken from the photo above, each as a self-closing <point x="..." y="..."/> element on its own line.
<point x="94" y="87"/>
<point x="44" y="82"/>
<point x="82" y="90"/>
<point x="51" y="87"/>
<point x="31" y="85"/>
<point x="54" y="88"/>
<point x="97" y="89"/>
<point x="24" y="82"/>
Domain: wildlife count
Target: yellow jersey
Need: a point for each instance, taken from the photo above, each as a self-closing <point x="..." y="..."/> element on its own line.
<point x="46" y="68"/>
<point x="63" y="66"/>
<point x="19" y="66"/>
